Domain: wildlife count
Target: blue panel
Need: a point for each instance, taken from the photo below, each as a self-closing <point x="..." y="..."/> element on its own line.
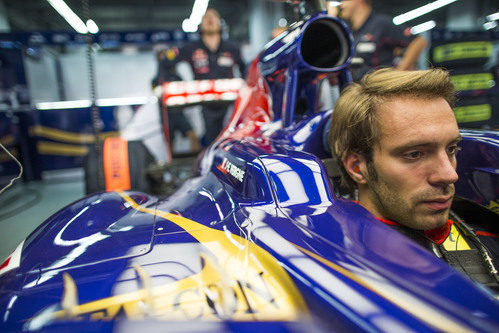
<point x="62" y="136"/>
<point x="478" y="167"/>
<point x="9" y="138"/>
<point x="97" y="228"/>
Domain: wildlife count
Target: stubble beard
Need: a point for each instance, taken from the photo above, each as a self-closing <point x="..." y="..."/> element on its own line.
<point x="410" y="212"/>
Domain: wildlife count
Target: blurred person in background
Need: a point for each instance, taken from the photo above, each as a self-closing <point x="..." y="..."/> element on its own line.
<point x="377" y="41"/>
<point x="278" y="30"/>
<point x="211" y="57"/>
<point x="333" y="8"/>
<point x="177" y="121"/>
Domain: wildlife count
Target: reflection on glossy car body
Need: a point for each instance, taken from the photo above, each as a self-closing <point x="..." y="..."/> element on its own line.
<point x="258" y="238"/>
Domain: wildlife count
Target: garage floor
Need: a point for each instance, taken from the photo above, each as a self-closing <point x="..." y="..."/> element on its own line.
<point x="26" y="205"/>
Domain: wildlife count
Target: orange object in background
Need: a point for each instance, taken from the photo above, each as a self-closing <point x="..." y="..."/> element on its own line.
<point x="116" y="168"/>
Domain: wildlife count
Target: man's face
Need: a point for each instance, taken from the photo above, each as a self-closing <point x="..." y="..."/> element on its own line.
<point x="411" y="177"/>
<point x="210" y="22"/>
<point x="348" y="8"/>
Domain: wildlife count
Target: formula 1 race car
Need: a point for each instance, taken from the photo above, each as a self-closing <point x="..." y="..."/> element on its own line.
<point x="261" y="238"/>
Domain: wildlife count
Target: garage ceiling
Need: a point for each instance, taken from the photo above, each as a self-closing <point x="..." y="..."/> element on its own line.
<point x="115" y="15"/>
<point x="132" y="15"/>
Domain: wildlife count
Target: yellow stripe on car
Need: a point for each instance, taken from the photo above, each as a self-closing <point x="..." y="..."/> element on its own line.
<point x="405" y="301"/>
<point x="238" y="281"/>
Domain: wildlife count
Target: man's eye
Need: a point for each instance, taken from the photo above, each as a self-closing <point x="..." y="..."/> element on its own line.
<point x="413" y="155"/>
<point x="453" y="150"/>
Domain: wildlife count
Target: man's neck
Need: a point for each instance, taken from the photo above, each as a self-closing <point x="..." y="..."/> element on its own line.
<point x="211" y="40"/>
<point x="367" y="202"/>
<point x="361" y="16"/>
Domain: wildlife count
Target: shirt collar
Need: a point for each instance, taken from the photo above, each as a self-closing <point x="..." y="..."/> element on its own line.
<point x="437" y="235"/>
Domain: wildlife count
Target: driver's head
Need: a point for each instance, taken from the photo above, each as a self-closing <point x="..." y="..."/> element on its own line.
<point x="395" y="137"/>
<point x="210" y="24"/>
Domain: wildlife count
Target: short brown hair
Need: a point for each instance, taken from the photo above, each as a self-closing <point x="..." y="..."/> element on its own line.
<point x="354" y="126"/>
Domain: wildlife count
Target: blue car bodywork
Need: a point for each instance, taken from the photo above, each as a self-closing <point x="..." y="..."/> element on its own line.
<point x="258" y="240"/>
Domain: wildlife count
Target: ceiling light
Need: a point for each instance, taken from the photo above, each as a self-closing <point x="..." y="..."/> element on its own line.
<point x="66" y="12"/>
<point x="92" y="27"/>
<point x="417" y="29"/>
<point x="493" y="17"/>
<point x="198" y="9"/>
<point x="63" y="105"/>
<point x="490" y="25"/>
<point x="410" y="15"/>
<point x="85" y="103"/>
<point x="189" y="26"/>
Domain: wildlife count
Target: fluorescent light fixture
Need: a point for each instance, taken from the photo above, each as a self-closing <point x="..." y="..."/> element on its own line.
<point x="92" y="27"/>
<point x="63" y="105"/>
<point x="66" y="12"/>
<point x="188" y="26"/>
<point x="126" y="101"/>
<point x="493" y="17"/>
<point x="490" y="25"/>
<point x="198" y="9"/>
<point x="85" y="103"/>
<point x="410" y="15"/>
<point x="417" y="29"/>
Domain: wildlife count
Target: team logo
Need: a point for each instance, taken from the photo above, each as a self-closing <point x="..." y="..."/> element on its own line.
<point x="366" y="47"/>
<point x="367" y="37"/>
<point x="172" y="53"/>
<point x="200" y="61"/>
<point x="228" y="167"/>
<point x="199" y="55"/>
<point x="225" y="60"/>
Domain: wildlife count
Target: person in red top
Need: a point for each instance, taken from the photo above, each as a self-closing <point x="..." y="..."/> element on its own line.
<point x="395" y="138"/>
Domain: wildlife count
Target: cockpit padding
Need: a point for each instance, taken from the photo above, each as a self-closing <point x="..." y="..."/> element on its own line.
<point x="325" y="136"/>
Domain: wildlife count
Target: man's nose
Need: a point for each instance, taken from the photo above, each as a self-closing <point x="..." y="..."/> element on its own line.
<point x="444" y="170"/>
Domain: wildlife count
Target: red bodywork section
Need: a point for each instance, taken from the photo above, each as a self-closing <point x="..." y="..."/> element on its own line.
<point x="252" y="108"/>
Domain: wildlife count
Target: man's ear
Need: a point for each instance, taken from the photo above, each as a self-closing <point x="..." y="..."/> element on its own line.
<point x="355" y="165"/>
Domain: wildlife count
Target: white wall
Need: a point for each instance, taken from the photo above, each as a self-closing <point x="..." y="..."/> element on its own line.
<point x="4" y="22"/>
<point x="463" y="15"/>
<point x="41" y="78"/>
<point x="118" y="74"/>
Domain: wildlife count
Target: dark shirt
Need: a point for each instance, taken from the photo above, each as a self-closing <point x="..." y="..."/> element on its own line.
<point x="375" y="42"/>
<point x="212" y="65"/>
<point x="469" y="249"/>
<point x="166" y="68"/>
<point x="461" y="246"/>
<point x="165" y="73"/>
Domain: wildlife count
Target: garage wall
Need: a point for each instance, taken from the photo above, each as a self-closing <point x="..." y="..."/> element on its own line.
<point x="41" y="77"/>
<point x="118" y="74"/>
